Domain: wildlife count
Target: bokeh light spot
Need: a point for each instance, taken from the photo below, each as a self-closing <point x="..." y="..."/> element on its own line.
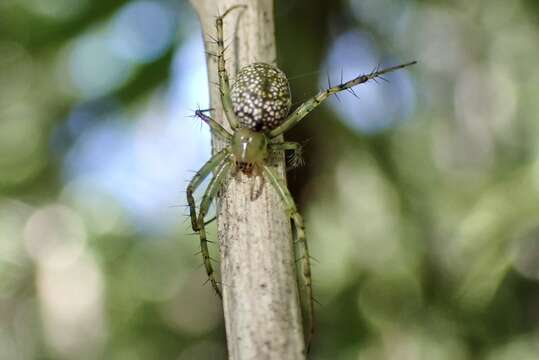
<point x="95" y="70"/>
<point x="17" y="73"/>
<point x="22" y="152"/>
<point x="71" y="300"/>
<point x="142" y="30"/>
<point x="13" y="260"/>
<point x="55" y="236"/>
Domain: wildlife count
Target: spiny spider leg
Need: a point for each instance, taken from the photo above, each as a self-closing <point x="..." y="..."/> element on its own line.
<point x="297" y="219"/>
<point x="215" y="162"/>
<point x="312" y="103"/>
<point x="224" y="86"/>
<point x="287" y="145"/>
<point x="215" y="184"/>
<point x="217" y="128"/>
<point x="296" y="159"/>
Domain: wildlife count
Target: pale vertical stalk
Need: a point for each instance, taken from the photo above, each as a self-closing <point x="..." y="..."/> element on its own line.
<point x="260" y="294"/>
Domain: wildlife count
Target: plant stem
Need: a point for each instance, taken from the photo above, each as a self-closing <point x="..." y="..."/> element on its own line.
<point x="260" y="294"/>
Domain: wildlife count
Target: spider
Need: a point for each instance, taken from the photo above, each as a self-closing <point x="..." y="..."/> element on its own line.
<point x="257" y="107"/>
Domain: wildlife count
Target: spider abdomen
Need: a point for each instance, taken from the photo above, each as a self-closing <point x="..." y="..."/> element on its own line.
<point x="261" y="97"/>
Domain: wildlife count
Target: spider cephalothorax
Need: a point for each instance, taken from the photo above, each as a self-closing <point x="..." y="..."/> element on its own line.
<point x="257" y="109"/>
<point x="250" y="150"/>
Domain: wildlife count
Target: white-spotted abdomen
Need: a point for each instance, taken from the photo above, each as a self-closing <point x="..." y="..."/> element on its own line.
<point x="261" y="97"/>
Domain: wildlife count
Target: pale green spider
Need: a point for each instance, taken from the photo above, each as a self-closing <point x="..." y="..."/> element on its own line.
<point x="257" y="108"/>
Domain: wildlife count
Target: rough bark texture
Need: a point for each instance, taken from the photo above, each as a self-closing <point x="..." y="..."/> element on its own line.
<point x="260" y="295"/>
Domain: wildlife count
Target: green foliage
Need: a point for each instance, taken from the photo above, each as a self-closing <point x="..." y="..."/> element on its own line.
<point x="425" y="230"/>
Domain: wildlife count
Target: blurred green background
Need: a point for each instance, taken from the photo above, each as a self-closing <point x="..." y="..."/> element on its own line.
<point x="421" y="198"/>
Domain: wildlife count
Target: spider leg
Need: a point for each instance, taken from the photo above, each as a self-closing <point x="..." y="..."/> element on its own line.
<point x="213" y="163"/>
<point x="216" y="183"/>
<point x="287" y="145"/>
<point x="297" y="219"/>
<point x="296" y="159"/>
<point x="214" y="125"/>
<point x="224" y="86"/>
<point x="313" y="102"/>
